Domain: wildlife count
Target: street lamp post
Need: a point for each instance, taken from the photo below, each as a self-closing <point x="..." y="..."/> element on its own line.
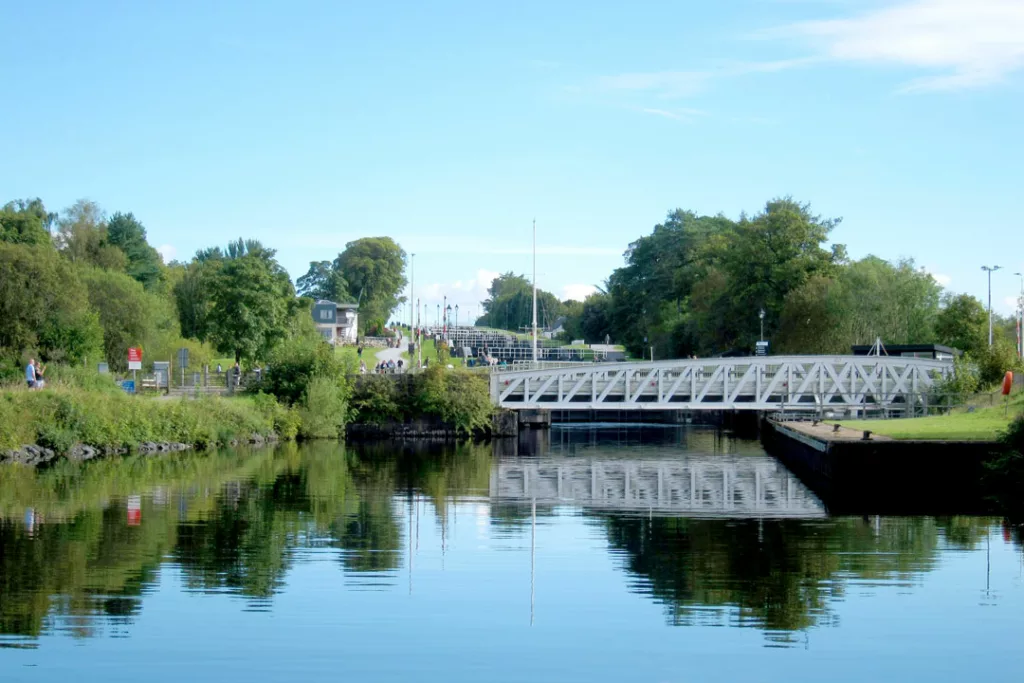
<point x="456" y="315"/>
<point x="760" y="314"/>
<point x="990" y="270"/>
<point x="437" y="320"/>
<point x="412" y="297"/>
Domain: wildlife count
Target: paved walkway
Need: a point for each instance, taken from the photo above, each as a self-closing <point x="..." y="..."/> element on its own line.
<point x="826" y="431"/>
<point x="384" y="355"/>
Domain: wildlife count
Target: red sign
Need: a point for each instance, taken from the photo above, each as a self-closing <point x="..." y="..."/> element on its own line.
<point x="134" y="355"/>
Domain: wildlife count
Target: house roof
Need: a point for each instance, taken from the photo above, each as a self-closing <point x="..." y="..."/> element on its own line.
<point x="322" y="302"/>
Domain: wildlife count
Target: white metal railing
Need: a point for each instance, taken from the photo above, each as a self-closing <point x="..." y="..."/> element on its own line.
<point x="769" y="383"/>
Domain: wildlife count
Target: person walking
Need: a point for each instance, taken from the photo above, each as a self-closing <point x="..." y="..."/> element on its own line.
<point x="40" y="380"/>
<point x="30" y="373"/>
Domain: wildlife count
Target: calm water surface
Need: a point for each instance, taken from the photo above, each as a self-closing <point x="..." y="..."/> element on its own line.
<point x="610" y="555"/>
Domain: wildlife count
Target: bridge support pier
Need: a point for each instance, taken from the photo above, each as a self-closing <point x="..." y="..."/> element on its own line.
<point x="535" y="419"/>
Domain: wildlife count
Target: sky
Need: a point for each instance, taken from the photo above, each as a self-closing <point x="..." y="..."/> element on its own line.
<point x="451" y="126"/>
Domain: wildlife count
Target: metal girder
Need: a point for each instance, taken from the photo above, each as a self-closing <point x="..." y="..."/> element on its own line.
<point x="767" y="383"/>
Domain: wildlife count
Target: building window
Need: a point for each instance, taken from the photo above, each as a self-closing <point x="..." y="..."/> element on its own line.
<point x="325" y="314"/>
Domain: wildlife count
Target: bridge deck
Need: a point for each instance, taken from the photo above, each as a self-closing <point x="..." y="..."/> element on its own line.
<point x="773" y="383"/>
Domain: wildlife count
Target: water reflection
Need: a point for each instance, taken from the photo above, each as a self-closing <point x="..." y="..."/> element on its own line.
<point x="705" y="525"/>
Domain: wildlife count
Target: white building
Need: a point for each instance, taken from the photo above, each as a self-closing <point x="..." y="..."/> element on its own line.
<point x="338" y="323"/>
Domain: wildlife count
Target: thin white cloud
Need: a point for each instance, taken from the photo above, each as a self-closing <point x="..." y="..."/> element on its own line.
<point x="967" y="43"/>
<point x="674" y="114"/>
<point x="577" y="292"/>
<point x="167" y="251"/>
<point x="678" y="84"/>
<point x="941" y="278"/>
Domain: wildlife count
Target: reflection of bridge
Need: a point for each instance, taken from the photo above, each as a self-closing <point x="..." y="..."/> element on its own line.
<point x="683" y="485"/>
<point x="787" y="383"/>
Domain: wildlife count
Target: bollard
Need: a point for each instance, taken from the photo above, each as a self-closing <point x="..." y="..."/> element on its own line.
<point x="867" y="436"/>
<point x="835" y="428"/>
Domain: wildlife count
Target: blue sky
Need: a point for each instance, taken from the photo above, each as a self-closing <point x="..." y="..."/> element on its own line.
<point x="451" y="125"/>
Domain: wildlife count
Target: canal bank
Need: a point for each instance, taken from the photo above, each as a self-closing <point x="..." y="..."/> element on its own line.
<point x="860" y="473"/>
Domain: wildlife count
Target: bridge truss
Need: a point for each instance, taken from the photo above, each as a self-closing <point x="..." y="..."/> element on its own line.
<point x="772" y="383"/>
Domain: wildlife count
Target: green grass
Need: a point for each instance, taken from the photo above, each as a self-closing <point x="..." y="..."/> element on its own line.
<point x="984" y="424"/>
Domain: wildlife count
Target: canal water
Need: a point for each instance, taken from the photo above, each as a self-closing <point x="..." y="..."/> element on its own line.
<point x="613" y="554"/>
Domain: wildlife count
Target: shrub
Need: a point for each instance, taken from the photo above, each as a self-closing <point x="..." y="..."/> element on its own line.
<point x="293" y="366"/>
<point x="323" y="409"/>
<point x="994" y="361"/>
<point x="459" y="398"/>
<point x="377" y="399"/>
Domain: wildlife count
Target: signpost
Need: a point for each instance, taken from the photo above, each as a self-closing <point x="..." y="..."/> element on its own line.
<point x="162" y="370"/>
<point x="134" y="364"/>
<point x="182" y="363"/>
<point x="761" y="348"/>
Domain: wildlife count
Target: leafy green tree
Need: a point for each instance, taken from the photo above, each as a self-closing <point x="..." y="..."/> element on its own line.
<point x="374" y="269"/>
<point x="125" y="311"/>
<point x="322" y="281"/>
<point x="772" y="254"/>
<point x="251" y="302"/>
<point x="26" y="221"/>
<point x="82" y="237"/>
<point x="509" y="305"/>
<point x="963" y="324"/>
<point x="863" y="301"/>
<point x="43" y="306"/>
<point x="193" y="297"/>
<point x="125" y="232"/>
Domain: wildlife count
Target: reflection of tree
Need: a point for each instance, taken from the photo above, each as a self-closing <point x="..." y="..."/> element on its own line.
<point x="778" y="575"/>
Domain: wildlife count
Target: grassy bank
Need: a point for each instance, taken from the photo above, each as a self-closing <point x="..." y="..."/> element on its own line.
<point x="984" y="424"/>
<point x="63" y="416"/>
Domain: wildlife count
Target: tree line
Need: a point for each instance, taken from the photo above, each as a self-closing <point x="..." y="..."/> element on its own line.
<point x="81" y="286"/>
<point x="697" y="285"/>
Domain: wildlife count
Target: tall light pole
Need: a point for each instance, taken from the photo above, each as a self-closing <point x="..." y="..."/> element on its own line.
<point x="456" y="315"/>
<point x="990" y="270"/>
<point x="535" y="292"/>
<point x="412" y="297"/>
<point x="1020" y="317"/>
<point x="760" y="314"/>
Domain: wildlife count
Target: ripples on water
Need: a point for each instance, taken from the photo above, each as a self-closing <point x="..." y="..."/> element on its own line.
<point x="608" y="556"/>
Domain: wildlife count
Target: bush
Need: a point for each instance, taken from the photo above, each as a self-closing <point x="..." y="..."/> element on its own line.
<point x="965" y="381"/>
<point x="292" y="366"/>
<point x="323" y="410"/>
<point x="377" y="399"/>
<point x="994" y="361"/>
<point x="459" y="398"/>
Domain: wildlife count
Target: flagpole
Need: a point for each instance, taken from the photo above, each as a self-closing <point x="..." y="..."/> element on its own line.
<point x="535" y="292"/>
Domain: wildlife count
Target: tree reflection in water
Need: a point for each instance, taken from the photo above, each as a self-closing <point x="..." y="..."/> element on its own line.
<point x="78" y="556"/>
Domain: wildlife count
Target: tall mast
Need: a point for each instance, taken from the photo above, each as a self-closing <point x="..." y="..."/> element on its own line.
<point x="535" y="290"/>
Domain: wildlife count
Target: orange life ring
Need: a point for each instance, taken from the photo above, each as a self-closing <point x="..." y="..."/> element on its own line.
<point x="1007" y="383"/>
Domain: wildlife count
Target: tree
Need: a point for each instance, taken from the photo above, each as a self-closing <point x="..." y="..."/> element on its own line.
<point x="863" y="301"/>
<point x="126" y="233"/>
<point x="43" y="305"/>
<point x="192" y="297"/>
<point x="26" y="221"/>
<point x="772" y="254"/>
<point x="374" y="268"/>
<point x="963" y="324"/>
<point x="509" y="305"/>
<point x="126" y="312"/>
<point x="321" y="281"/>
<point x="251" y="301"/>
<point x="82" y="237"/>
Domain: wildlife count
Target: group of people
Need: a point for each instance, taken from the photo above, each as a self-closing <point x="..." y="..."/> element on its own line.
<point x="385" y="367"/>
<point x="34" y="374"/>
